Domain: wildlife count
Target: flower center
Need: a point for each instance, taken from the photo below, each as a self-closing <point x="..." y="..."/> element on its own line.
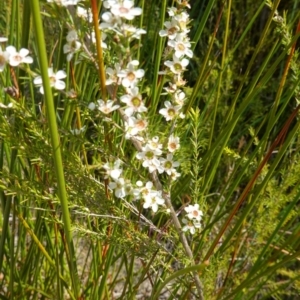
<point x="195" y="213"/>
<point x="168" y="165"/>
<point x="177" y="67"/>
<point x="149" y="154"/>
<point x="52" y="80"/>
<point x="17" y="57"/>
<point x="123" y="10"/>
<point x="171" y="112"/>
<point x="145" y="192"/>
<point x="172" y="30"/>
<point x="131" y="76"/>
<point x="140" y="124"/>
<point x="136" y="102"/>
<point x="172" y="145"/>
<point x="181" y="47"/>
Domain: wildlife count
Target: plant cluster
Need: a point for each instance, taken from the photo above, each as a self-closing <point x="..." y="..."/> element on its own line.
<point x="148" y="142"/>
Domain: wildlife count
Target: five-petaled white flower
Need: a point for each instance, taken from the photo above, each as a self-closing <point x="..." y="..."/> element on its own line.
<point x="190" y="225"/>
<point x="112" y="75"/>
<point x="110" y="22"/>
<point x="153" y="200"/>
<point x="168" y="164"/>
<point x="177" y="66"/>
<point x="131" y="32"/>
<point x="154" y="143"/>
<point x="55" y="80"/>
<point x="134" y="125"/>
<point x="72" y="44"/>
<point x="150" y="160"/>
<point x="125" y="10"/>
<point x="144" y="191"/>
<point x="122" y="188"/>
<point x="193" y="212"/>
<point x="173" y="143"/>
<point x="170" y="112"/>
<point x="172" y="29"/>
<point x="105" y="106"/>
<point x="131" y="76"/>
<point x="179" y="97"/>
<point x="181" y="45"/>
<point x="16" y="58"/>
<point x="113" y="169"/>
<point x="134" y="102"/>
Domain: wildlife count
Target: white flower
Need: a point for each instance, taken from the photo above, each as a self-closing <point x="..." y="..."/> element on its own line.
<point x="134" y="125"/>
<point x="172" y="88"/>
<point x="193" y="212"/>
<point x="3" y="39"/>
<point x="112" y="74"/>
<point x="125" y="10"/>
<point x="121" y="187"/>
<point x="153" y="200"/>
<point x="181" y="46"/>
<point x="154" y="143"/>
<point x="109" y="3"/>
<point x="72" y="44"/>
<point x="175" y="175"/>
<point x="182" y="19"/>
<point x="179" y="97"/>
<point x="168" y="164"/>
<point x="177" y="66"/>
<point x="3" y="59"/>
<point x="92" y="37"/>
<point x="132" y="32"/>
<point x="107" y="107"/>
<point x="55" y="80"/>
<point x="170" y="112"/>
<point x="16" y="58"/>
<point x="84" y="13"/>
<point x="150" y="160"/>
<point x="78" y="131"/>
<point x="190" y="225"/>
<point x="144" y="191"/>
<point x="134" y="102"/>
<point x="172" y="11"/>
<point x="172" y="29"/>
<point x="173" y="143"/>
<point x="114" y="171"/>
<point x="111" y="22"/>
<point x="184" y="3"/>
<point x="130" y="75"/>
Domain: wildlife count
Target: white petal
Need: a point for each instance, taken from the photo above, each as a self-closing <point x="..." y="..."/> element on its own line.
<point x="38" y="80"/>
<point x="136" y="11"/>
<point x="11" y="50"/>
<point x="28" y="60"/>
<point x="60" y="85"/>
<point x="140" y="73"/>
<point x="24" y="52"/>
<point x="60" y="75"/>
<point x="92" y="106"/>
